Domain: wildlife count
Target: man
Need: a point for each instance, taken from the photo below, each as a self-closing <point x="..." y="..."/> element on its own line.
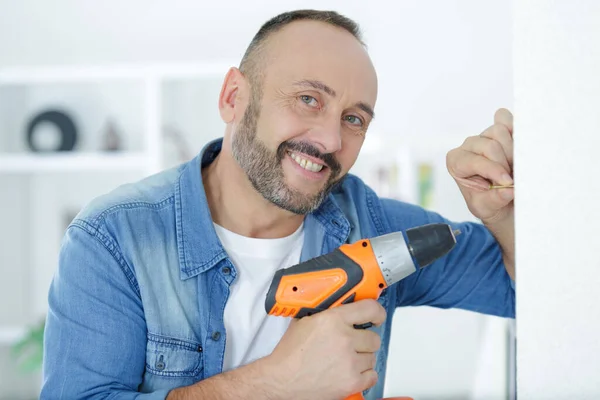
<point x="161" y="284"/>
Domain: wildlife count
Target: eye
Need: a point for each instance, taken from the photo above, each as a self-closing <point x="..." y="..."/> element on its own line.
<point x="309" y="100"/>
<point x="354" y="120"/>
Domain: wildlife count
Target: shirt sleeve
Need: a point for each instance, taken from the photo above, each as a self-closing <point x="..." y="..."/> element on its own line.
<point x="95" y="333"/>
<point x="471" y="276"/>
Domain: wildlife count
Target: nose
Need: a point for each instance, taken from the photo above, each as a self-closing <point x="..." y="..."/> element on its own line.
<point x="327" y="135"/>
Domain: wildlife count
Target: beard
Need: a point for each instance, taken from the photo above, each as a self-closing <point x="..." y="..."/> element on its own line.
<point x="265" y="170"/>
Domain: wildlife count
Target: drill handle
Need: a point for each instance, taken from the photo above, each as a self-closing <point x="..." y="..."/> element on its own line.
<point x="314" y="285"/>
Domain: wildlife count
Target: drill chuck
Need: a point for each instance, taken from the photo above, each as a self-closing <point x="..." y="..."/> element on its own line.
<point x="427" y="243"/>
<point x="399" y="257"/>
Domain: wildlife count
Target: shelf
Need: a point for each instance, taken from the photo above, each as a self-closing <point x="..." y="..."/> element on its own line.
<point x="11" y="334"/>
<point x="72" y="162"/>
<point x="69" y="74"/>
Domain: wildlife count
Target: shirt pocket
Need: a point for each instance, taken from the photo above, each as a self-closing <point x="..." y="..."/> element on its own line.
<point x="171" y="357"/>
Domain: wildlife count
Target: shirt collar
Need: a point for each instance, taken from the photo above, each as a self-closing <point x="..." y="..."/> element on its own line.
<point x="197" y="241"/>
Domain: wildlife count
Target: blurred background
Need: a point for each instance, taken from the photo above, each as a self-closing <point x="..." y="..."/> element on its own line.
<point x="136" y="84"/>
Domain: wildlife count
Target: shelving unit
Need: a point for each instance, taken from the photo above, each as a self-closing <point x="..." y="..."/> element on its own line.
<point x="30" y="163"/>
<point x="89" y="73"/>
<point x="45" y="189"/>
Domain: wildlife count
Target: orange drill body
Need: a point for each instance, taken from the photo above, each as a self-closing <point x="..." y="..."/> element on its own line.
<point x="357" y="271"/>
<point x="349" y="274"/>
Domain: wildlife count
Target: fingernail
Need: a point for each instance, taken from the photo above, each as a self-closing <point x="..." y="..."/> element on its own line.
<point x="506" y="179"/>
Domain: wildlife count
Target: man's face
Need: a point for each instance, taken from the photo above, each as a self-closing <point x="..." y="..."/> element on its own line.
<point x="303" y="128"/>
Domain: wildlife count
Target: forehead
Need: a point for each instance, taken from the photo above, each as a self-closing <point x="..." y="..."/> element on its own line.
<point x="320" y="51"/>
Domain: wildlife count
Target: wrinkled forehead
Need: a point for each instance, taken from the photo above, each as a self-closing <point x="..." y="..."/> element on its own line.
<point x="319" y="51"/>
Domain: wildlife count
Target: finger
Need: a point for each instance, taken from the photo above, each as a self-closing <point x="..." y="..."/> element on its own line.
<point x="501" y="134"/>
<point x="464" y="164"/>
<point x="487" y="147"/>
<point x="366" y="341"/>
<point x="362" y="311"/>
<point x="505" y="195"/>
<point x="493" y="199"/>
<point x="365" y="361"/>
<point x="368" y="379"/>
<point x="504" y="117"/>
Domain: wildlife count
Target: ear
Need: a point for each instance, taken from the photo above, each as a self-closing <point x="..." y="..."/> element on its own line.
<point x="233" y="95"/>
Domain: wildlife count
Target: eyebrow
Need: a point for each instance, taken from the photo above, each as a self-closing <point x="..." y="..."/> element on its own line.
<point x="321" y="86"/>
<point x="366" y="108"/>
<point x="317" y="85"/>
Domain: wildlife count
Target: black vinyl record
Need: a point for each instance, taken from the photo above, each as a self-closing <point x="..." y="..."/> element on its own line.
<point x="68" y="131"/>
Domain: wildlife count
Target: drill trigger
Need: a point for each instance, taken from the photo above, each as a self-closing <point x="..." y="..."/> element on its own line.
<point x="363" y="326"/>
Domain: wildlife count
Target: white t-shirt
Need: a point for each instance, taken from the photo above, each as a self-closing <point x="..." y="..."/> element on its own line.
<point x="251" y="333"/>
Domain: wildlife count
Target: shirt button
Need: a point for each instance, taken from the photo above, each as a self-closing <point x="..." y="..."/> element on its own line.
<point x="226" y="270"/>
<point x="216" y="336"/>
<point x="160" y="364"/>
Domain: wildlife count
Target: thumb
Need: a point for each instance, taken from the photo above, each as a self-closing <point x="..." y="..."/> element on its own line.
<point x="504" y="196"/>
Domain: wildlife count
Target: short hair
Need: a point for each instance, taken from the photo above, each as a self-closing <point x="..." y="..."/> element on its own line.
<point x="249" y="65"/>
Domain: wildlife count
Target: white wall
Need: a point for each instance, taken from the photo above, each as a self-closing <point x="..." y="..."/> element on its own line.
<point x="557" y="128"/>
<point x="444" y="67"/>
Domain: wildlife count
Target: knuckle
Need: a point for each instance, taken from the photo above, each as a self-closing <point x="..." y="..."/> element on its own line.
<point x="500" y="169"/>
<point x="453" y="159"/>
<point x="357" y="385"/>
<point x="373" y="376"/>
<point x="452" y="154"/>
<point x="500" y="130"/>
<point x="495" y="148"/>
<point x="373" y="305"/>
<point x="469" y="140"/>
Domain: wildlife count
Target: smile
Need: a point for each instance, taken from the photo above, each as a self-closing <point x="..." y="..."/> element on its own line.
<point x="306" y="164"/>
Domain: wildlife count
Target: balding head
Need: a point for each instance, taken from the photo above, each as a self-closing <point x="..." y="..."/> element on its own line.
<point x="252" y="64"/>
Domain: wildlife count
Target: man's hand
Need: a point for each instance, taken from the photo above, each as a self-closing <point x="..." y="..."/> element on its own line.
<point x="484" y="160"/>
<point x="319" y="357"/>
<point x="324" y="357"/>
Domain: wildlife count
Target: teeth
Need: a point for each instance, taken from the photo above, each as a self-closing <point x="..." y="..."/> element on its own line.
<point x="306" y="164"/>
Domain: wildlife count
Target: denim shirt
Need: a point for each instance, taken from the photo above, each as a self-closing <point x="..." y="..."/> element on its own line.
<point x="136" y="304"/>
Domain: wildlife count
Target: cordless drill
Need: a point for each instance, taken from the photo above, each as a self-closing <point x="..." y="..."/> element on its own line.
<point x="357" y="271"/>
